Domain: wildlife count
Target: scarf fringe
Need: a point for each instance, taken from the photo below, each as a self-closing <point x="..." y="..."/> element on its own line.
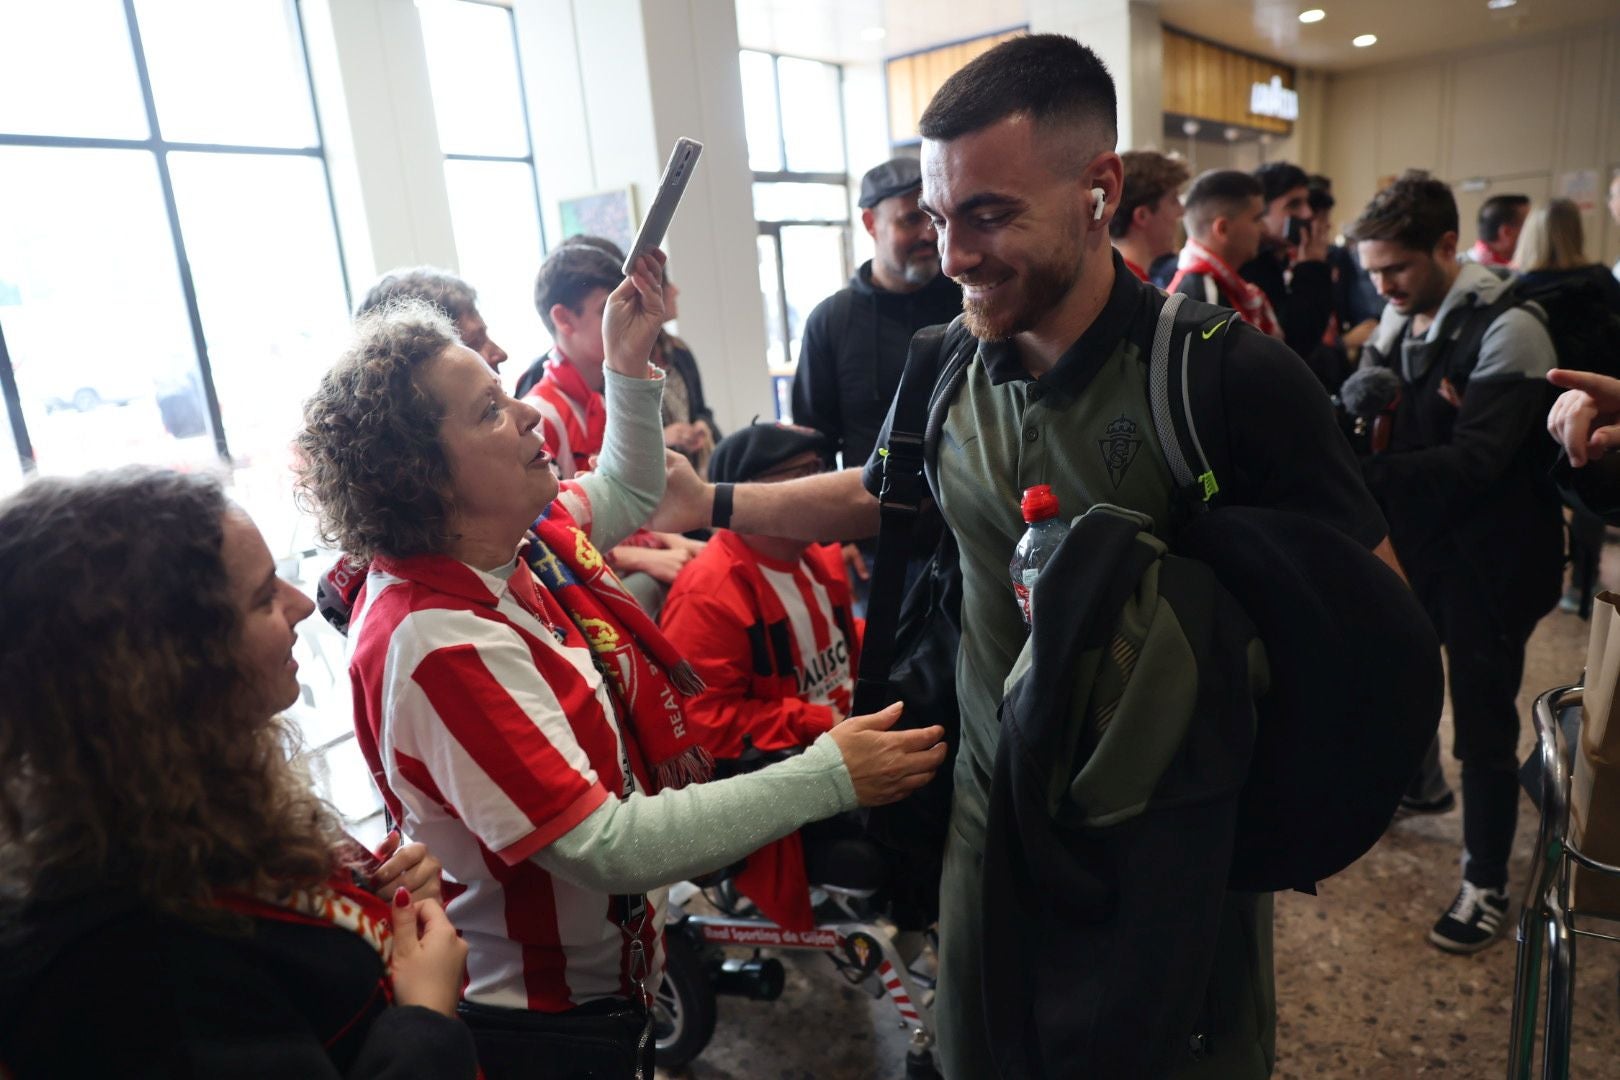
<point x="686" y="679"/>
<point x="692" y="766"/>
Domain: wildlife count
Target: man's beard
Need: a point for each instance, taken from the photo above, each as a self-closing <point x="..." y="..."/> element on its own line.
<point x="918" y="266"/>
<point x="1044" y="287"/>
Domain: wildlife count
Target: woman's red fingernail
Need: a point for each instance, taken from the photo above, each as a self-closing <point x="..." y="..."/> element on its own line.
<point x="402" y="897"/>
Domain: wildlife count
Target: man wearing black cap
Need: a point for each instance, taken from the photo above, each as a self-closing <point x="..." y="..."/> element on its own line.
<point x="855" y="341"/>
<point x="767" y="623"/>
<point x="854" y="344"/>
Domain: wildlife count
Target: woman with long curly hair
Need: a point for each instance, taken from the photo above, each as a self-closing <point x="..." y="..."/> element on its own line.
<point x="174" y="899"/>
<point x="519" y="713"/>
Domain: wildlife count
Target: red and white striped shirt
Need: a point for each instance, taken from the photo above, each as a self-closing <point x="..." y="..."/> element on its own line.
<point x="473" y="708"/>
<point x="774" y="642"/>
<point x="573" y="417"/>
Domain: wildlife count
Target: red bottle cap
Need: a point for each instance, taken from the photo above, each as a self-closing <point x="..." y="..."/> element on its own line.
<point x="1039" y="503"/>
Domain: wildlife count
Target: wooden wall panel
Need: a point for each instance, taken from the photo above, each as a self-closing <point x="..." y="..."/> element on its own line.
<point x="913" y="80"/>
<point x="1210" y="83"/>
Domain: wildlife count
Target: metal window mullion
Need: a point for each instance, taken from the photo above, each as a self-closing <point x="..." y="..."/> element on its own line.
<point x="19" y="425"/>
<point x="187" y="286"/>
<point x="326" y="167"/>
<point x="782" y="298"/>
<point x="528" y="133"/>
<point x="499" y="159"/>
<point x="781" y="127"/>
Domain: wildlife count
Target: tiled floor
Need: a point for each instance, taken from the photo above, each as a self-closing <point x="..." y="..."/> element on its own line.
<point x="1360" y="992"/>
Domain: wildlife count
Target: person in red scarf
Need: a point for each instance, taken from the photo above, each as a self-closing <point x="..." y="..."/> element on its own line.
<point x="1224" y="208"/>
<point x="768" y="622"/>
<point x="517" y="711"/>
<point x="177" y="901"/>
<point x="1143" y="228"/>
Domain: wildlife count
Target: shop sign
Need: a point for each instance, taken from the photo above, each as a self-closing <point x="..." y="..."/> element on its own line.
<point x="1274" y="99"/>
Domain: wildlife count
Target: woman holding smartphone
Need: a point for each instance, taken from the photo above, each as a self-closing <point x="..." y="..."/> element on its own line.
<point x="519" y="712"/>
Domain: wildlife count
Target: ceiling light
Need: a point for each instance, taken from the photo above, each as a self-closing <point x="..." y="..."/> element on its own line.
<point x="1361" y="41"/>
<point x="1498" y="5"/>
<point x="874" y="33"/>
<point x="1313" y="15"/>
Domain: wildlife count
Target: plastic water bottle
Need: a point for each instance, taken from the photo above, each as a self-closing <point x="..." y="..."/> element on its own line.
<point x="1035" y="548"/>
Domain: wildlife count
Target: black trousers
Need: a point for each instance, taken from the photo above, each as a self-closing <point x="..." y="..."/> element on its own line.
<point x="1485" y="661"/>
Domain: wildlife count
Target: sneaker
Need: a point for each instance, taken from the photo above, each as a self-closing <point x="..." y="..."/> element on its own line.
<point x="1476" y="917"/>
<point x="1443" y="803"/>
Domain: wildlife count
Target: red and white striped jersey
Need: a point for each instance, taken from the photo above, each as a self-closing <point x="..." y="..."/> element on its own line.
<point x="774" y="642"/>
<point x="490" y="734"/>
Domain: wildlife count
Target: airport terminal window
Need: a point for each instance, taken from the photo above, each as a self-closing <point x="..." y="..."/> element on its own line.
<point x="794" y="119"/>
<point x="483" y="124"/>
<point x="171" y="283"/>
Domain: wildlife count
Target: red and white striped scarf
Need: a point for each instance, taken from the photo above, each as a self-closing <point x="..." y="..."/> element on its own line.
<point x="1248" y="299"/>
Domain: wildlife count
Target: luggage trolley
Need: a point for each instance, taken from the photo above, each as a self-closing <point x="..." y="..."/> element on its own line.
<point x="1546" y="923"/>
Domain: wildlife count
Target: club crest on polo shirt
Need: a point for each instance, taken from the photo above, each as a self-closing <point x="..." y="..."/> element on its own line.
<point x="1119" y="447"/>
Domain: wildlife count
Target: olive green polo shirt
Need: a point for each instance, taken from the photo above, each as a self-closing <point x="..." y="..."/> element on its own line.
<point x="1086" y="429"/>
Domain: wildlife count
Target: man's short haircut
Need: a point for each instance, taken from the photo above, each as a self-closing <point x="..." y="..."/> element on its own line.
<point x="440" y="288"/>
<point x="1057" y="81"/>
<point x="1500" y="210"/>
<point x="1149" y="176"/>
<point x="573" y="271"/>
<point x="1414" y="212"/>
<point x="1218" y="193"/>
<point x="1278" y="178"/>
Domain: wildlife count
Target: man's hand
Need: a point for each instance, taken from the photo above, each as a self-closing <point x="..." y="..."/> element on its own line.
<point x="1313" y="245"/>
<point x="1585" y="420"/>
<point x="634" y="314"/>
<point x="855" y="564"/>
<point x="660" y="564"/>
<point x="688" y="502"/>
<point x="1359" y="334"/>
<point x="688" y="437"/>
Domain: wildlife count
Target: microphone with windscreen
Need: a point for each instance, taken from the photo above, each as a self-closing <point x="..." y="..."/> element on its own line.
<point x="1370" y="391"/>
<point x="1370" y="395"/>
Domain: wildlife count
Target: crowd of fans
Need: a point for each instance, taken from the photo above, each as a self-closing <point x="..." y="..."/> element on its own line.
<point x="559" y="651"/>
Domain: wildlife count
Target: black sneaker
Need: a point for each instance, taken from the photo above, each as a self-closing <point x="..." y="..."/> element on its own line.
<point x="1444" y="803"/>
<point x="1476" y="917"/>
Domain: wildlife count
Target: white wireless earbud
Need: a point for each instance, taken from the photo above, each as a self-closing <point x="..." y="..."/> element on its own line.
<point x="1100" y="198"/>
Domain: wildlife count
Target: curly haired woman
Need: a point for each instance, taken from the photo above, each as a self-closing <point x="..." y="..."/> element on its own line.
<point x="174" y="901"/>
<point x="520" y="714"/>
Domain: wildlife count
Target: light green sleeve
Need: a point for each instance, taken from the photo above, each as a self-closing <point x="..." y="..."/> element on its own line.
<point x="629" y="478"/>
<point x="646" y="841"/>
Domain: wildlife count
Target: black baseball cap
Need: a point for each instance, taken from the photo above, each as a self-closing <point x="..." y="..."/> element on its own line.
<point x="894" y="177"/>
<point x="759" y="448"/>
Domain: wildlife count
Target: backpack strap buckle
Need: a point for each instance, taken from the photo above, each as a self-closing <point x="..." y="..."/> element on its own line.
<point x="903" y="479"/>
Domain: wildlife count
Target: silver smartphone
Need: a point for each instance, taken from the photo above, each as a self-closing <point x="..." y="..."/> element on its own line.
<point x="671" y="186"/>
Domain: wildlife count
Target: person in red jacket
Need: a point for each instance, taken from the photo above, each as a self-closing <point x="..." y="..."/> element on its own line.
<point x="767" y="623"/>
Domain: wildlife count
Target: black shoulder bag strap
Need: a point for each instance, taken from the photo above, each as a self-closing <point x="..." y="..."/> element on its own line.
<point x="1183" y="366"/>
<point x="905" y="485"/>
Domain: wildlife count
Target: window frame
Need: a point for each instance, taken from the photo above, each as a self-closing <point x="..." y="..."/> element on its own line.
<point x="528" y="129"/>
<point x="160" y="149"/>
<point x="786" y="175"/>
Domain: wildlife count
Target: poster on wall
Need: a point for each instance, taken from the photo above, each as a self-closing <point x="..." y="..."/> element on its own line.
<point x="1581" y="188"/>
<point x="608" y="214"/>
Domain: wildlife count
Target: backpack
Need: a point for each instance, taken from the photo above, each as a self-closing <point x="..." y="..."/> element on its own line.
<point x="1185" y="364"/>
<point x="1585" y="330"/>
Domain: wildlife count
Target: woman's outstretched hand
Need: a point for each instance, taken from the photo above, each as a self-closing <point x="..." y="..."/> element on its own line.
<point x="634" y="314"/>
<point x="886" y="765"/>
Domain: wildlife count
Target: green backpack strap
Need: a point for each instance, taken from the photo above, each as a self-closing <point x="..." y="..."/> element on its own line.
<point x="1184" y="367"/>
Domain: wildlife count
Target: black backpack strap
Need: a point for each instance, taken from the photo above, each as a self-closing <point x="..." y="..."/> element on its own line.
<point x="1184" y="367"/>
<point x="1462" y="350"/>
<point x="905" y="485"/>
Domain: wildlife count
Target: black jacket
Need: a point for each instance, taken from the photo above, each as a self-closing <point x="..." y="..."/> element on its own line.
<point x="1304" y="305"/>
<point x="1466" y="488"/>
<point x="100" y="987"/>
<point x="852" y="353"/>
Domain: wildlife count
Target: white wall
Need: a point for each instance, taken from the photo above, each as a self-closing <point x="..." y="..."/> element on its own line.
<point x="1516" y="117"/>
<point x="590" y="68"/>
